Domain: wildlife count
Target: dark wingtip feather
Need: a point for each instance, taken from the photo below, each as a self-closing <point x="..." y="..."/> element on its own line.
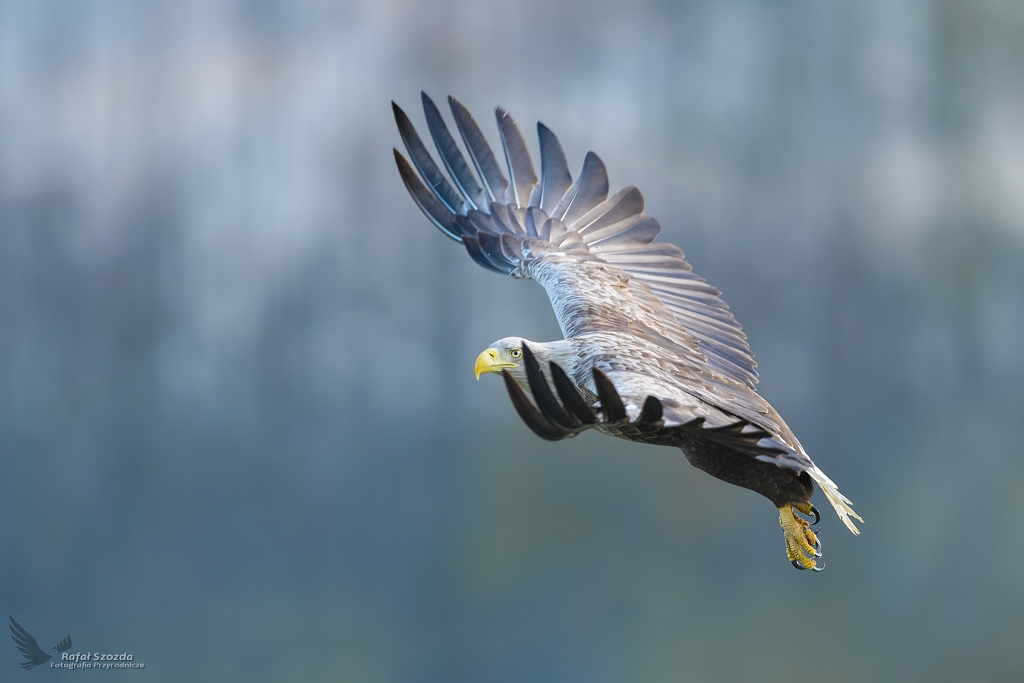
<point x="611" y="402"/>
<point x="517" y="158"/>
<point x="479" y="151"/>
<point x="477" y="254"/>
<point x="424" y="163"/>
<point x="591" y="190"/>
<point x="570" y="396"/>
<point x="555" y="178"/>
<point x="546" y="403"/>
<point x="490" y="245"/>
<point x="651" y="412"/>
<point x="437" y="212"/>
<point x="529" y="414"/>
<point x="450" y="154"/>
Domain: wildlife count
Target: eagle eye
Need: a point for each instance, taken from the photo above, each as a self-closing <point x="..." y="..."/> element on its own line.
<point x="515" y="353"/>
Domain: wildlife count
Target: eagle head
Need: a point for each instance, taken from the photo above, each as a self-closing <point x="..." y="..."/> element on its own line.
<point x="504" y="354"/>
<point x="507" y="354"/>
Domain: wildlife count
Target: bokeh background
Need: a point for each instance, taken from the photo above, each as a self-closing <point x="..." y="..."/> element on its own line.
<point x="239" y="432"/>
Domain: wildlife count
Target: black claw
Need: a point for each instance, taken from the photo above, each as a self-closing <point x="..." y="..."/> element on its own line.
<point x="818" y="568"/>
<point x="817" y="548"/>
<point x="529" y="414"/>
<point x="571" y="398"/>
<point x="611" y="403"/>
<point x="798" y="565"/>
<point x="546" y="402"/>
<point x="817" y="515"/>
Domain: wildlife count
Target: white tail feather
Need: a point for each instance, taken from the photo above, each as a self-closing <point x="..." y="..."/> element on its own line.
<point x="840" y="502"/>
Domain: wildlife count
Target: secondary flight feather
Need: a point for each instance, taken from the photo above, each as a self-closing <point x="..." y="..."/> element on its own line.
<point x="650" y="352"/>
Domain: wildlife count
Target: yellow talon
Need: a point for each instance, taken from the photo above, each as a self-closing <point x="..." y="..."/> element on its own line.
<point x="801" y="543"/>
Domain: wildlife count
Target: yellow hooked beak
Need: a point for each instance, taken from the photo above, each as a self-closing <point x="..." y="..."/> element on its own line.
<point x="488" y="362"/>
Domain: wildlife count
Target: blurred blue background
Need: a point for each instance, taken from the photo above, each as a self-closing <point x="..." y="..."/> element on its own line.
<point x="239" y="431"/>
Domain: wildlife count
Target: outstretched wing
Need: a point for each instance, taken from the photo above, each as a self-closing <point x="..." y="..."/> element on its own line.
<point x="34" y="655"/>
<point x="635" y="414"/>
<point x="594" y="254"/>
<point x="596" y="259"/>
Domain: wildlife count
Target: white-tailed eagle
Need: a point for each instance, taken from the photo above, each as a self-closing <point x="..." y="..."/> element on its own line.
<point x="651" y="352"/>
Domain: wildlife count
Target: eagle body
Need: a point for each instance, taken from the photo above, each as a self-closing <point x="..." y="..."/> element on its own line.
<point x="634" y="368"/>
<point x="780" y="485"/>
<point x="651" y="353"/>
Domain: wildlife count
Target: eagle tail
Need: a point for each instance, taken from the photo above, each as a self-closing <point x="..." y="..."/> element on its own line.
<point x="841" y="503"/>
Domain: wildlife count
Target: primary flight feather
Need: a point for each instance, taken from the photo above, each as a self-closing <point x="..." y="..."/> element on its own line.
<point x="651" y="352"/>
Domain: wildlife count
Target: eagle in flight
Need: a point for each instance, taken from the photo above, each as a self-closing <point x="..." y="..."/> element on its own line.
<point x="651" y="353"/>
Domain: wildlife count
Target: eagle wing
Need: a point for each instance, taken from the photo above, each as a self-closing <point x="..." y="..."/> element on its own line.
<point x="34" y="655"/>
<point x="595" y="256"/>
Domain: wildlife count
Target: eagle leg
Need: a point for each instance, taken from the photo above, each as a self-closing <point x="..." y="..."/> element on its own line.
<point x="802" y="544"/>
